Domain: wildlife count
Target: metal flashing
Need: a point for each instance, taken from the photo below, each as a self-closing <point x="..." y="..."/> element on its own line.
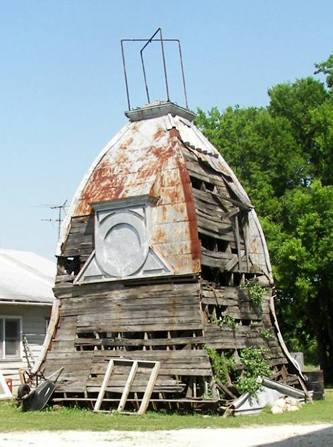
<point x="157" y="109"/>
<point x="143" y="199"/>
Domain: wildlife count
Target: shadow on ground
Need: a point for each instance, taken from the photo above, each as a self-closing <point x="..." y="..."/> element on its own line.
<point x="318" y="438"/>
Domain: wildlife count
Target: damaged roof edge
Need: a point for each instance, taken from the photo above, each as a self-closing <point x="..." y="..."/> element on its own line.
<point x="209" y="153"/>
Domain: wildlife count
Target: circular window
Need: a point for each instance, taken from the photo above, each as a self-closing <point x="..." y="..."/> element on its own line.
<point x="121" y="246"/>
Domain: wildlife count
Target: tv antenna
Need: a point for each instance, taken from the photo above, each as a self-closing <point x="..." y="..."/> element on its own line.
<point x="61" y="210"/>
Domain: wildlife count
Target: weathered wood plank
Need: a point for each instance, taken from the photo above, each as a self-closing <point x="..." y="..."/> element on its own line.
<point x="127" y="387"/>
<point x="221" y="228"/>
<point x="149" y="389"/>
<point x="104" y="385"/>
<point x="139" y="342"/>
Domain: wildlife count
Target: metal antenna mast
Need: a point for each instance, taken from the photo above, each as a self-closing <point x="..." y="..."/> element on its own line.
<point x="59" y="219"/>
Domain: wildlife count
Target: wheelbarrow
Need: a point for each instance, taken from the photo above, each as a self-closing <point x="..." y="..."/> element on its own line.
<point x="36" y="399"/>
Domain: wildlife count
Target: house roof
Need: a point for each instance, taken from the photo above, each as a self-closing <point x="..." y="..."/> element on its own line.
<point x="26" y="277"/>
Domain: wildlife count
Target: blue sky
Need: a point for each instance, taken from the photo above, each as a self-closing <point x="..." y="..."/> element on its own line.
<point x="62" y="92"/>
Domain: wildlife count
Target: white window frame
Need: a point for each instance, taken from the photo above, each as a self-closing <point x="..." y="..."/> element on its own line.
<point x="11" y="357"/>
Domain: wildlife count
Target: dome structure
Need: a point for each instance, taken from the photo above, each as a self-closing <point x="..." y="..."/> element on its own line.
<point x="156" y="261"/>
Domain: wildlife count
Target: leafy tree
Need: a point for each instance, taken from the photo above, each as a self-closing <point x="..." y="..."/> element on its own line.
<point x="326" y="68"/>
<point x="283" y="155"/>
<point x="303" y="262"/>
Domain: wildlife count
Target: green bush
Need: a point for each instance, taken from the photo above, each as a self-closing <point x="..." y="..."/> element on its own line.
<point x="256" y="292"/>
<point x="222" y="366"/>
<point x="255" y="366"/>
<point x="266" y="334"/>
<point x="251" y="359"/>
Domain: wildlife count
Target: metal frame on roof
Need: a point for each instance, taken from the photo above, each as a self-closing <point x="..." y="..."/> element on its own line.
<point x="147" y="42"/>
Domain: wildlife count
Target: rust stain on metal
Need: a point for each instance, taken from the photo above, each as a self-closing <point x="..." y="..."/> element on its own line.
<point x="191" y="212"/>
<point x="173" y="196"/>
<point x="102" y="185"/>
<point x="126" y="166"/>
<point x="134" y="126"/>
<point x="149" y="161"/>
<point x="156" y="187"/>
<point x="159" y="235"/>
<point x="126" y="143"/>
<point x="174" y="132"/>
<point x="159" y="133"/>
<point x="160" y="154"/>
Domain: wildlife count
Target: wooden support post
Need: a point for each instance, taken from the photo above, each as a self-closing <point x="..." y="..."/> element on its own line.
<point x="206" y="387"/>
<point x="128" y="385"/>
<point x="168" y="337"/>
<point x="237" y="239"/>
<point x="145" y="337"/>
<point x="246" y="243"/>
<point x="98" y="338"/>
<point x="194" y="392"/>
<point x="214" y="313"/>
<point x="189" y="391"/>
<point x="136" y="398"/>
<point x="149" y="388"/>
<point x="231" y="279"/>
<point x="104" y="385"/>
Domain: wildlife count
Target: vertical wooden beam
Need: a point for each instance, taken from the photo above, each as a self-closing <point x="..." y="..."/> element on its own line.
<point x="104" y="385"/>
<point x="97" y="336"/>
<point x="231" y="279"/>
<point x="136" y="398"/>
<point x="145" y="337"/>
<point x="149" y="388"/>
<point x="237" y="239"/>
<point x="128" y="385"/>
<point x="169" y="338"/>
<point x="194" y="390"/>
<point x="246" y="242"/>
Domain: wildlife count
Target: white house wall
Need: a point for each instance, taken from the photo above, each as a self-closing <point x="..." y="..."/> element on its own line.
<point x="33" y="326"/>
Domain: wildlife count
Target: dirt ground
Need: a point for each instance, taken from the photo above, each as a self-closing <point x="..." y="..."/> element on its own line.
<point x="275" y="436"/>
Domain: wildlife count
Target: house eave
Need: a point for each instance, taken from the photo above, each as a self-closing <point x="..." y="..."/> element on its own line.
<point x="25" y="302"/>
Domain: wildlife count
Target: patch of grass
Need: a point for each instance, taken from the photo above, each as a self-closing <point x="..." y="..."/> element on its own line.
<point x="12" y="419"/>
